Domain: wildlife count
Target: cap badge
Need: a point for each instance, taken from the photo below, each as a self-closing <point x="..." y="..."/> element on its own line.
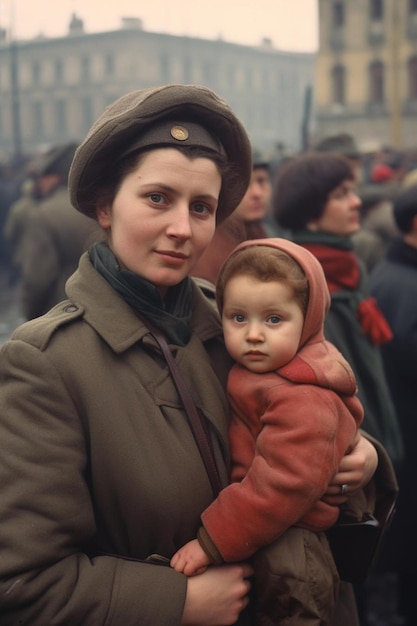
<point x="180" y="133"/>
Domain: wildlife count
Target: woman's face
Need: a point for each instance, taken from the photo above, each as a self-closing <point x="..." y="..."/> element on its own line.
<point x="341" y="212"/>
<point x="163" y="215"/>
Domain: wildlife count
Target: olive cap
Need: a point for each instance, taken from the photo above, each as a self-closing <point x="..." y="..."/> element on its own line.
<point x="142" y="113"/>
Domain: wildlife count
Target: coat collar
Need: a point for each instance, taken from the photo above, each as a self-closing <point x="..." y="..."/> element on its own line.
<point x="401" y="252"/>
<point x="115" y="320"/>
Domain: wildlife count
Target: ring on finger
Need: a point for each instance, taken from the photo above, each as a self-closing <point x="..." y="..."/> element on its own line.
<point x="344" y="489"/>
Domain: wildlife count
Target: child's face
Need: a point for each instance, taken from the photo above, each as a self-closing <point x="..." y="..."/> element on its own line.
<point x="262" y="323"/>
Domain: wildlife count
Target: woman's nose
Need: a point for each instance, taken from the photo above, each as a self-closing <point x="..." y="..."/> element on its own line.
<point x="180" y="224"/>
<point x="356" y="201"/>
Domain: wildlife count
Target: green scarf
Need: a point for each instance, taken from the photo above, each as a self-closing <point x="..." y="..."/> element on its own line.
<point x="171" y="315"/>
<point x="324" y="239"/>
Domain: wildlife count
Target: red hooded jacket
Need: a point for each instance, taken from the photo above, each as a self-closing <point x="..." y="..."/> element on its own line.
<point x="289" y="430"/>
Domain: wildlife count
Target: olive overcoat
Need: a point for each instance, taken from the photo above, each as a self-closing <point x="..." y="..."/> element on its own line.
<point x="114" y="467"/>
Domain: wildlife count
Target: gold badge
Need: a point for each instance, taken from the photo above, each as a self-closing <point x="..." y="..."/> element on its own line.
<point x="180" y="133"/>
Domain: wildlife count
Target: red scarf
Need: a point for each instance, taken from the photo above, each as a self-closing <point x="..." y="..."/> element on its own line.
<point x="342" y="271"/>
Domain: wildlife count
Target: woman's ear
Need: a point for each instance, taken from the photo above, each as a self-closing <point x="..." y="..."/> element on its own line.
<point x="103" y="216"/>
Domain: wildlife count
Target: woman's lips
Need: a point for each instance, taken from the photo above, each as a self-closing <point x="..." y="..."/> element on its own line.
<point x="171" y="257"/>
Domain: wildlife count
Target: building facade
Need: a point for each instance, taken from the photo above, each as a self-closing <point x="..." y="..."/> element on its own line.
<point x="366" y="72"/>
<point x="51" y="90"/>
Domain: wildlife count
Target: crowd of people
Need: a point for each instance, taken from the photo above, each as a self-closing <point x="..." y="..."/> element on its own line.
<point x="216" y="369"/>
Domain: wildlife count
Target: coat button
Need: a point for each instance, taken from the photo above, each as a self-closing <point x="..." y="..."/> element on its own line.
<point x="71" y="308"/>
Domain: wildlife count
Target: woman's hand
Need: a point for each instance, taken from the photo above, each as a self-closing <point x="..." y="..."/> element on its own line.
<point x="217" y="597"/>
<point x="355" y="470"/>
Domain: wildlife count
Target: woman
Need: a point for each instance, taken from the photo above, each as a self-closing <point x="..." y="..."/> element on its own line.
<point x="102" y="470"/>
<point x="315" y="199"/>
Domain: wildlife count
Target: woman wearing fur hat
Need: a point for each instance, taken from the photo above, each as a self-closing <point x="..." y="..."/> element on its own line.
<point x="100" y="470"/>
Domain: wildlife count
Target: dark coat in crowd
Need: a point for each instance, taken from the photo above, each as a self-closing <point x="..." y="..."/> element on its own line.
<point x="54" y="240"/>
<point x="343" y="329"/>
<point x="394" y="284"/>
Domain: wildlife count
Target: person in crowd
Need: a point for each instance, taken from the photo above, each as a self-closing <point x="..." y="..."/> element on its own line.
<point x="315" y="199"/>
<point x="102" y="476"/>
<point x="16" y="223"/>
<point x="227" y="236"/>
<point x="378" y="227"/>
<point x="8" y="195"/>
<point x="254" y="209"/>
<point x="273" y="297"/>
<point x="410" y="178"/>
<point x="393" y="283"/>
<point x="55" y="235"/>
<point x="344" y="145"/>
<point x="389" y="168"/>
<point x="250" y="220"/>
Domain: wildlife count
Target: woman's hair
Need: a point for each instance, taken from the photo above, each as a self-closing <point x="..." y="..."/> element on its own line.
<point x="267" y="264"/>
<point x="113" y="177"/>
<point x="302" y="187"/>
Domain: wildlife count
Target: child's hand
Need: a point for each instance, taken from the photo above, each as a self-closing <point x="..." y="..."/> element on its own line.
<point x="190" y="559"/>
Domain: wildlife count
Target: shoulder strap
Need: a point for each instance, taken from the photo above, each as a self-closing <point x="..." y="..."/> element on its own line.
<point x="196" y="420"/>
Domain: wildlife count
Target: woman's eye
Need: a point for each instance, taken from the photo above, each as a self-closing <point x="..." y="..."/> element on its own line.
<point x="343" y="193"/>
<point x="201" y="208"/>
<point x="156" y="198"/>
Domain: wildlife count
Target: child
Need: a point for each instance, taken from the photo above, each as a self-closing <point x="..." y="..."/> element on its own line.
<point x="295" y="414"/>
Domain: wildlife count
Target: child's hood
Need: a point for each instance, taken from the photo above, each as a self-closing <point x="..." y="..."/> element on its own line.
<point x="319" y="297"/>
<point x="318" y="361"/>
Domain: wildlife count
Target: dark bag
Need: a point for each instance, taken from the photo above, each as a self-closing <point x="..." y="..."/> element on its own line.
<point x="355" y="541"/>
<point x="354" y="544"/>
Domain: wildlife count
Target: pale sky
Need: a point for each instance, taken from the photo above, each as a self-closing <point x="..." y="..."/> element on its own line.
<point x="290" y="24"/>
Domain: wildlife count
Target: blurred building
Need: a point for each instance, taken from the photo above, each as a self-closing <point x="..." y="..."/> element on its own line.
<point x="366" y="78"/>
<point x="51" y="90"/>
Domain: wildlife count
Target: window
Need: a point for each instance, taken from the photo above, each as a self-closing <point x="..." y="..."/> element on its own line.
<point x="412" y="78"/>
<point x="164" y="67"/>
<point x="87" y="114"/>
<point x="36" y="72"/>
<point x="208" y="73"/>
<point x="58" y="70"/>
<point x="38" y="119"/>
<point x="109" y="64"/>
<point x="85" y="68"/>
<point x="376" y="82"/>
<point x="61" y="117"/>
<point x="338" y="83"/>
<point x="338" y="14"/>
<point x="187" y="71"/>
<point x="376" y="10"/>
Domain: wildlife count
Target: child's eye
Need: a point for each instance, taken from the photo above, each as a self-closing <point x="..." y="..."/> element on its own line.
<point x="274" y="319"/>
<point x="239" y="318"/>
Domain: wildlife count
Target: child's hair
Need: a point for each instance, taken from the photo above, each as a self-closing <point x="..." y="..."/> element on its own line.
<point x="267" y="264"/>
